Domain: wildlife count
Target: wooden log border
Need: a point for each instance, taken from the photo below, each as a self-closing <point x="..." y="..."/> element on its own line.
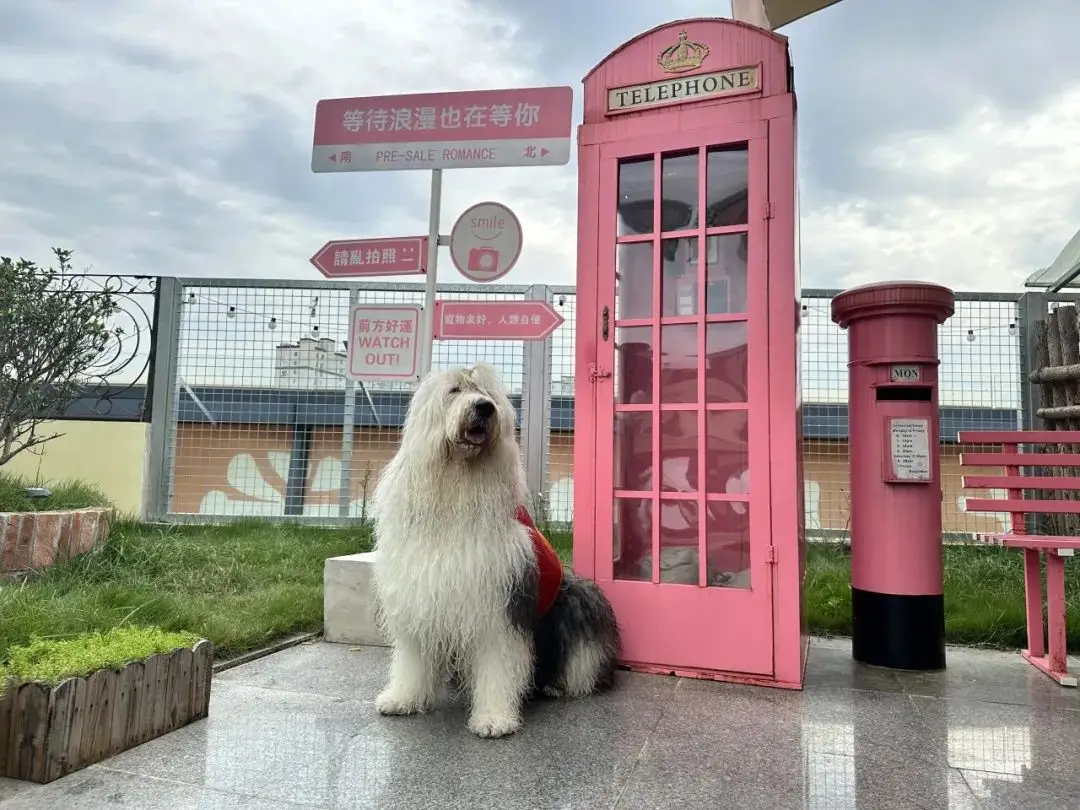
<point x="1058" y="372"/>
<point x="49" y="732"/>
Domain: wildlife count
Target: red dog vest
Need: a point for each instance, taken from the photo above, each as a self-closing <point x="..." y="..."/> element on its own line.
<point x="547" y="562"/>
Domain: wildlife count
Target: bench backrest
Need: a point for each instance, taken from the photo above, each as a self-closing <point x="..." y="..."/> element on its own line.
<point x="1015" y="480"/>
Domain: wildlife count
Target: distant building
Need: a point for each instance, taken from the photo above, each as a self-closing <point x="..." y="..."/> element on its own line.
<point x="309" y="363"/>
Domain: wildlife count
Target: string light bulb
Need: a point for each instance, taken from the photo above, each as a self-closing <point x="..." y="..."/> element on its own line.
<point x="1012" y="330"/>
<point x="191" y="298"/>
<point x="272" y="324"/>
<point x="970" y="336"/>
<point x="232" y="312"/>
<point x="315" y="331"/>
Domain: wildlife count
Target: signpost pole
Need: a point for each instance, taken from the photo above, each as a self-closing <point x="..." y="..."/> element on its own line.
<point x="432" y="279"/>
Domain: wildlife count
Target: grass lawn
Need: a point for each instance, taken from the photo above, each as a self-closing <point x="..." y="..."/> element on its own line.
<point x="64" y="495"/>
<point x="248" y="583"/>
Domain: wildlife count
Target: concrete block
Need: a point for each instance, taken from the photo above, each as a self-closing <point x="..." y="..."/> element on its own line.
<point x="349" y="601"/>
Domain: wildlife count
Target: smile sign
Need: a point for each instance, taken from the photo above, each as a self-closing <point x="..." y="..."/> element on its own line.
<point x="486" y="242"/>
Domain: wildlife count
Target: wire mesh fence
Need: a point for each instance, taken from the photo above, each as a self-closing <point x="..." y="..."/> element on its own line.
<point x="266" y="424"/>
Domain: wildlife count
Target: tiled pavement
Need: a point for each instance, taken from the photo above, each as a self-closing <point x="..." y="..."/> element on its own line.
<point x="298" y="729"/>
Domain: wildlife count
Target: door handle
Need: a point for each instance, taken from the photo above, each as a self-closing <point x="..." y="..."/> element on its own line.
<point x="604" y="317"/>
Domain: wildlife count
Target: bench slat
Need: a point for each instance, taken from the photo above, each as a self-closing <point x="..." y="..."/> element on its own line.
<point x="1018" y="437"/>
<point x="1020" y="459"/>
<point x="1047" y="482"/>
<point x="1022" y="505"/>
<point x="1039" y="541"/>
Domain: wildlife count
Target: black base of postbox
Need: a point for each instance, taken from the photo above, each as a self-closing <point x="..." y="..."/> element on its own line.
<point x="898" y="631"/>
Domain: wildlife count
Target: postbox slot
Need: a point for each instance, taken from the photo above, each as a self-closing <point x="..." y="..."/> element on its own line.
<point x="903" y="393"/>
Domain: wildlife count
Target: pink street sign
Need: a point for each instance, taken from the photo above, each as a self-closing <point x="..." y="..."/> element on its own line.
<point x="349" y="258"/>
<point x="384" y="342"/>
<point x="485" y="242"/>
<point x="476" y="129"/>
<point x="495" y="320"/>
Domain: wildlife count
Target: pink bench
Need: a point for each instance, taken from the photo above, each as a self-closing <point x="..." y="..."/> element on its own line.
<point x="1055" y="549"/>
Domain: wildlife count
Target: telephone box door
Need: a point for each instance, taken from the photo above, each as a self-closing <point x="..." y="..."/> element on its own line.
<point x="681" y="382"/>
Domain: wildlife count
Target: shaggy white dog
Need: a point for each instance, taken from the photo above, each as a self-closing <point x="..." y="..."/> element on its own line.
<point x="459" y="579"/>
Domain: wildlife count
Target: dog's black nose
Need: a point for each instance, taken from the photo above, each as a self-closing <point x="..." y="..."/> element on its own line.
<point x="485" y="408"/>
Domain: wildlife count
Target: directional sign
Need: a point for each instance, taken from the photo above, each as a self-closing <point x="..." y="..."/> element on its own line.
<point x="486" y="242"/>
<point x="495" y="320"/>
<point x="384" y="342"/>
<point x="470" y="130"/>
<point x="349" y="258"/>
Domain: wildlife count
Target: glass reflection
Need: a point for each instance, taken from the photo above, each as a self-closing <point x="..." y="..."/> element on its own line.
<point x="679" y="451"/>
<point x="633" y="365"/>
<point x="727" y="538"/>
<point x="727" y="172"/>
<point x="632" y="524"/>
<point x="633" y="450"/>
<point x="679" y="283"/>
<point x="727" y="470"/>
<point x="635" y="213"/>
<point x="634" y="280"/>
<point x="726" y="362"/>
<point x="678" y="363"/>
<point x="725" y="273"/>
<point x="679" y="542"/>
<point x="680" y="191"/>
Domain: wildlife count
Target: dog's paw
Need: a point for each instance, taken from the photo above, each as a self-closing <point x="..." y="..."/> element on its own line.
<point x="394" y="704"/>
<point x="490" y="726"/>
<point x="554" y="691"/>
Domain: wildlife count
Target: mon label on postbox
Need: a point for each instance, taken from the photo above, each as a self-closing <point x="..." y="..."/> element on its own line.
<point x="905" y="374"/>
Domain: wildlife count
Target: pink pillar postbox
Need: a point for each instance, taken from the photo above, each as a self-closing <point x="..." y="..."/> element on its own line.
<point x="897" y="600"/>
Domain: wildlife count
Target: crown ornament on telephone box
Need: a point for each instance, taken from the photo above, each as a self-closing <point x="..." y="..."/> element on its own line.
<point x="684" y="55"/>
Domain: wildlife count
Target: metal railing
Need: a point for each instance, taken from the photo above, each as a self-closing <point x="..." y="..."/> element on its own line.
<point x="258" y="419"/>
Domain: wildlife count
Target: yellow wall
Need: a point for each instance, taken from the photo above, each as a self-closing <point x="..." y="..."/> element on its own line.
<point x="109" y="454"/>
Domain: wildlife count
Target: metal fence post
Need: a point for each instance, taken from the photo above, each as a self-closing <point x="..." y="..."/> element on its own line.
<point x="165" y="347"/>
<point x="348" y="426"/>
<point x="536" y="412"/>
<point x="1031" y="308"/>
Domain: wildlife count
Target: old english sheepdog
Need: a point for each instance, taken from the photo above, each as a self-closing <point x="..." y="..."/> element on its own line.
<point x="467" y="590"/>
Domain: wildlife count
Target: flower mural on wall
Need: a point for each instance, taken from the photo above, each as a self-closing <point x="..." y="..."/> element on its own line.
<point x="258" y="490"/>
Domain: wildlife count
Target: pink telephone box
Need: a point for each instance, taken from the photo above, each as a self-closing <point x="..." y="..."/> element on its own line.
<point x="688" y="492"/>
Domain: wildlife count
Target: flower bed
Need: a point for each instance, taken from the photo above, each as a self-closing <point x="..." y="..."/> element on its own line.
<point x="66" y="705"/>
<point x="35" y="540"/>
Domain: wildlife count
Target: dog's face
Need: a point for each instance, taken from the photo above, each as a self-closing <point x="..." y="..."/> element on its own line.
<point x="467" y="409"/>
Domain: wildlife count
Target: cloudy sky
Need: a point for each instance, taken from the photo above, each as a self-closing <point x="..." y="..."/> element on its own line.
<point x="938" y="139"/>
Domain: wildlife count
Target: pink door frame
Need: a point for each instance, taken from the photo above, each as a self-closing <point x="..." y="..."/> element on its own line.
<point x="674" y="628"/>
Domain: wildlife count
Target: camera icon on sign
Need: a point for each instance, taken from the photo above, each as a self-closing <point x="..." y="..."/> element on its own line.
<point x="483" y="260"/>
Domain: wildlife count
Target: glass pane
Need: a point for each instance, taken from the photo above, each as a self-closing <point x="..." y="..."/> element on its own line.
<point x="679" y="282"/>
<point x="634" y="281"/>
<point x="678" y="363"/>
<point x="635" y="196"/>
<point x="728" y="445"/>
<point x="727" y="538"/>
<point x="633" y="365"/>
<point x="679" y="191"/>
<point x="679" y="542"/>
<point x="632" y="544"/>
<point x="725" y="269"/>
<point x="633" y="450"/>
<point x="727" y="174"/>
<point x="678" y="451"/>
<point x="725" y="366"/>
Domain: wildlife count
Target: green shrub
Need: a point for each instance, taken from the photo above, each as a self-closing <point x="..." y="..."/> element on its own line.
<point x="51" y="661"/>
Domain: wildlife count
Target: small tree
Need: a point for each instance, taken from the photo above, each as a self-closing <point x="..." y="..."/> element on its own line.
<point x="52" y="332"/>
